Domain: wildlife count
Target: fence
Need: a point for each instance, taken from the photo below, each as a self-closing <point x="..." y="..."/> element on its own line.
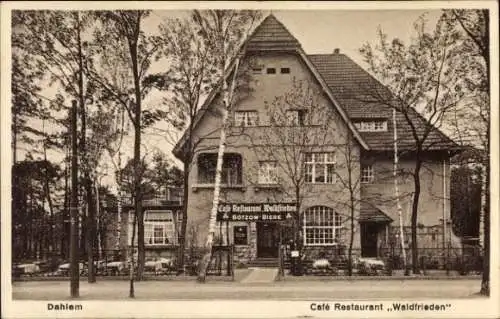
<point x="464" y="260"/>
<point x="114" y="263"/>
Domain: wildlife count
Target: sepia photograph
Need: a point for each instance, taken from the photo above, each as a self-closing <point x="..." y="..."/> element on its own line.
<point x="250" y="159"/>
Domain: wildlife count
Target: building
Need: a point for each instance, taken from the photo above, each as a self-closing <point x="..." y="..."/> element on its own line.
<point x="161" y="221"/>
<point x="331" y="137"/>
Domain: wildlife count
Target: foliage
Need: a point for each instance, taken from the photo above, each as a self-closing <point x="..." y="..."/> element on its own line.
<point x="33" y="227"/>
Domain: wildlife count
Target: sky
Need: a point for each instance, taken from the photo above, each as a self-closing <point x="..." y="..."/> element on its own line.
<point x="319" y="31"/>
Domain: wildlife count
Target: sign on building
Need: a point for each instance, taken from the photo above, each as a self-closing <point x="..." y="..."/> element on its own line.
<point x="255" y="211"/>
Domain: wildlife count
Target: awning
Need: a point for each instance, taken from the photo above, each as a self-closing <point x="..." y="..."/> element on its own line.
<point x="371" y="213"/>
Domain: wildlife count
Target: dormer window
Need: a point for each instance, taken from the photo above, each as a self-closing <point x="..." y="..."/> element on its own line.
<point x="371" y="125"/>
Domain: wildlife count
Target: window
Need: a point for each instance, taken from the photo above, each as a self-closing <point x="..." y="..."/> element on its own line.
<point x="367" y="174"/>
<point x="371" y="126"/>
<point x="295" y="117"/>
<point x="285" y="70"/>
<point x="240" y="235"/>
<point x="321" y="226"/>
<point x="271" y="71"/>
<point x="231" y="169"/>
<point x="245" y="118"/>
<point x="159" y="228"/>
<point x="257" y="70"/>
<point x="268" y="173"/>
<point x="320" y="168"/>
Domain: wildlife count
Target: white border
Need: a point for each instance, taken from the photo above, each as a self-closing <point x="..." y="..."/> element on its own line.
<point x="468" y="308"/>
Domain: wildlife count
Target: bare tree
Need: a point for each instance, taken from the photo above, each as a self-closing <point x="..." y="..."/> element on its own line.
<point x="300" y="123"/>
<point x="422" y="85"/>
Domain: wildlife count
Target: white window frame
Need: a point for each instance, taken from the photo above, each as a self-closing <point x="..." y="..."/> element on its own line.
<point x="268" y="172"/>
<point x="322" y="226"/>
<point x="246" y="118"/>
<point x="166" y="222"/>
<point x="168" y="234"/>
<point x="371" y="126"/>
<point x="314" y="163"/>
<point x="367" y="174"/>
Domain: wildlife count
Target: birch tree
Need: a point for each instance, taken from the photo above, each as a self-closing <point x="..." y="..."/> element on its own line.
<point x="224" y="31"/>
<point x="422" y="85"/>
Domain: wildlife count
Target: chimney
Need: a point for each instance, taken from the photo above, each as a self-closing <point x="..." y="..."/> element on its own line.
<point x="336" y="51"/>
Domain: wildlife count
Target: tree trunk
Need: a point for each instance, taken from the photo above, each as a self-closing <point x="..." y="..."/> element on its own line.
<point x="182" y="233"/>
<point x="90" y="231"/>
<point x="485" y="280"/>
<point x="414" y="216"/>
<point x="296" y="224"/>
<point x="351" y="238"/>
<point x="141" y="258"/>
<point x="65" y="233"/>
<point x="119" y="219"/>
<point x="131" y="260"/>
<point x="207" y="253"/>
<point x="228" y="95"/>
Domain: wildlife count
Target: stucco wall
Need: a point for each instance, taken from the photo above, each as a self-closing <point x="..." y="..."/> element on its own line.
<point x="434" y="200"/>
<point x="254" y="146"/>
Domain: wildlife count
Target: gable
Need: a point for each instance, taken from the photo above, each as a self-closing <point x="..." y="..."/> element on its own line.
<point x="272" y="36"/>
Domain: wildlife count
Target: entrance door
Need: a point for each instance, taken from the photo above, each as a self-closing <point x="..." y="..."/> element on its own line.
<point x="369" y="235"/>
<point x="267" y="240"/>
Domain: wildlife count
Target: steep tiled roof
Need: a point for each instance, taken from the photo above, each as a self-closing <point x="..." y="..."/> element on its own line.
<point x="271" y="34"/>
<point x="346" y="82"/>
<point x="349" y="83"/>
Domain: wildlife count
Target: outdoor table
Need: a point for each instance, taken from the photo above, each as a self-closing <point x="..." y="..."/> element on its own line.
<point x="28" y="269"/>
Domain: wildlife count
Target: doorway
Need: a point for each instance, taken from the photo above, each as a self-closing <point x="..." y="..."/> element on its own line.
<point x="267" y="240"/>
<point x="369" y="239"/>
